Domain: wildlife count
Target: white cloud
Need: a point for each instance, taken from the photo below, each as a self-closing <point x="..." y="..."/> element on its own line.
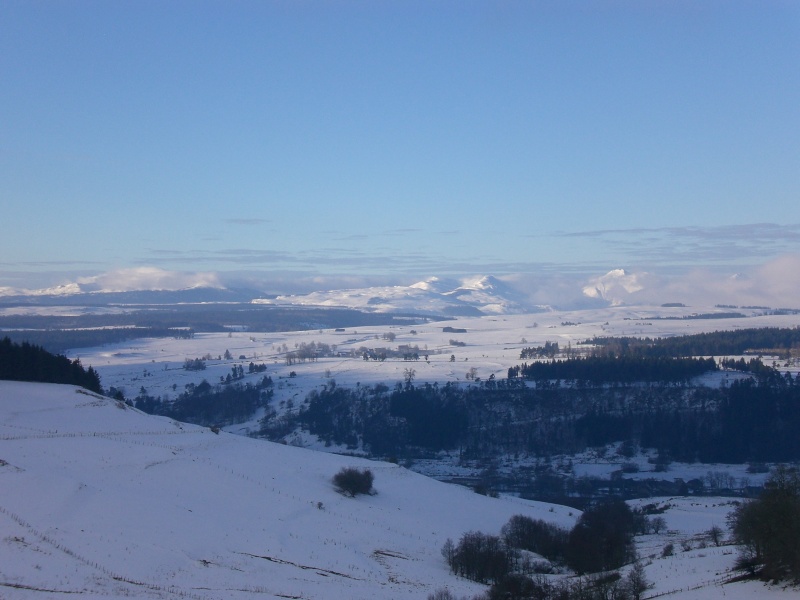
<point x="775" y="283"/>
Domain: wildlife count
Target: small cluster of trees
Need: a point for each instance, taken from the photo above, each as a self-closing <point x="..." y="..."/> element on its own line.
<point x="405" y="351"/>
<point x="237" y="373"/>
<point x="307" y="352"/>
<point x="601" y="540"/>
<point x="549" y="350"/>
<point x="480" y="557"/>
<point x="194" y="364"/>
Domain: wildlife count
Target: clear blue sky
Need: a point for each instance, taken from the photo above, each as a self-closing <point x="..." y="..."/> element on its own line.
<point x="397" y="138"/>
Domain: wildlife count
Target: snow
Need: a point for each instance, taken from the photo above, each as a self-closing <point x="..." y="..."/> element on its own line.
<point x="103" y="500"/>
<point x="492" y="345"/>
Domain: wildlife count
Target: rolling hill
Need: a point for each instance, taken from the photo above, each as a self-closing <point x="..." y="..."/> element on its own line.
<point x="100" y="499"/>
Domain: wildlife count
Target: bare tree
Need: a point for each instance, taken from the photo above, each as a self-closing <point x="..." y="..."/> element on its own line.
<point x="715" y="533"/>
<point x="408" y="376"/>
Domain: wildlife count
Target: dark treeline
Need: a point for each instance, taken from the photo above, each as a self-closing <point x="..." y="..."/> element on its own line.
<point x="717" y="343"/>
<point x="28" y="362"/>
<point x="753" y="365"/>
<point x="387" y="422"/>
<point x="704" y="316"/>
<point x="204" y="404"/>
<point x="754" y="419"/>
<point x="610" y="368"/>
<point x="61" y="340"/>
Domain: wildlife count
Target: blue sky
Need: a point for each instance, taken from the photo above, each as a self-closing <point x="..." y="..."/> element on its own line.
<point x="397" y="140"/>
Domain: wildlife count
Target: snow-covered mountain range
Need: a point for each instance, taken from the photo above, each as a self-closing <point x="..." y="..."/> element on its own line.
<point x="473" y="296"/>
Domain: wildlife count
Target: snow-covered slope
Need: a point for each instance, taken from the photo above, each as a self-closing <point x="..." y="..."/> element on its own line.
<point x="474" y="296"/>
<point x="102" y="500"/>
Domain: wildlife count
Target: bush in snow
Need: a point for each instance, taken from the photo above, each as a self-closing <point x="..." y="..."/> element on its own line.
<point x="351" y="481"/>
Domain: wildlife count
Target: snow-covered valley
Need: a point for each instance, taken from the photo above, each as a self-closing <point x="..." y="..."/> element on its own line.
<point x="456" y="350"/>
<point x="102" y="500"/>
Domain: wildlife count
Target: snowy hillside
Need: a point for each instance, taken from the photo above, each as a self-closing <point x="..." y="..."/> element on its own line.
<point x="481" y="295"/>
<point x="102" y="500"/>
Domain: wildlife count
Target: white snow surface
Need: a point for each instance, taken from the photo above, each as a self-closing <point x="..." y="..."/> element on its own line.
<point x="99" y="499"/>
<point x="103" y="501"/>
<point x="492" y="344"/>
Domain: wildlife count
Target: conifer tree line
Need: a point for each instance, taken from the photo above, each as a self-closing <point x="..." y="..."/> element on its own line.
<point x="779" y="340"/>
<point x="751" y="419"/>
<point x="608" y="368"/>
<point x="28" y="362"/>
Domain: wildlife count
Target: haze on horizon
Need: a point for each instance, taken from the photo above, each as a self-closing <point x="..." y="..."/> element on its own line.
<point x="297" y="146"/>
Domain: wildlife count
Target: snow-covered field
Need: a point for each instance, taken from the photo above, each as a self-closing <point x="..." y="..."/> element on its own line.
<point x="103" y="501"/>
<point x="492" y="344"/>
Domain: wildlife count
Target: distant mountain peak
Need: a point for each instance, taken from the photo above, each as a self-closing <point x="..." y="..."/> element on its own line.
<point x="432" y="284"/>
<point x="481" y="282"/>
<point x="614" y="287"/>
